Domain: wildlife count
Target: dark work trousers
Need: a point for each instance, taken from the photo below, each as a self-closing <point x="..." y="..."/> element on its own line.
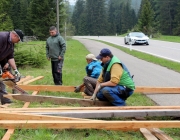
<point x="115" y="95"/>
<point x="3" y="100"/>
<point x="90" y="85"/>
<point x="57" y="71"/>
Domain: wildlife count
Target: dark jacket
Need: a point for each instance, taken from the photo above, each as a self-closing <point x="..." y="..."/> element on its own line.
<point x="55" y="47"/>
<point x="6" y="47"/>
<point x="3" y="62"/>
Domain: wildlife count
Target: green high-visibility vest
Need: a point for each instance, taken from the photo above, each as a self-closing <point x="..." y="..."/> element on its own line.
<point x="125" y="80"/>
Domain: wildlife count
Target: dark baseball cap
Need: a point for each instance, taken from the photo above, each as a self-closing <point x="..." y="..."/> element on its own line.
<point x="20" y="34"/>
<point x="103" y="53"/>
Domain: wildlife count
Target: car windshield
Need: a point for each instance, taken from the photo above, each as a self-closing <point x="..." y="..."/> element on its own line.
<point x="137" y="34"/>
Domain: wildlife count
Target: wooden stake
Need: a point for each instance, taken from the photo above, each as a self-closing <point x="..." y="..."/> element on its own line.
<point x="32" y="80"/>
<point x="147" y="134"/>
<point x="58" y="100"/>
<point x="160" y="134"/>
<point x="24" y="79"/>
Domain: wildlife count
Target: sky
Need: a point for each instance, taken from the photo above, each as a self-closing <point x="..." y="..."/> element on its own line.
<point x="72" y="2"/>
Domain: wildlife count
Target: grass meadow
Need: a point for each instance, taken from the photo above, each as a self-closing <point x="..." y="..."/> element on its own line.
<point x="73" y="73"/>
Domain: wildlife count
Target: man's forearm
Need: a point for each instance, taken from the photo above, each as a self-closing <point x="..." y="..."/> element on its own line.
<point x="12" y="63"/>
<point x="97" y="87"/>
<point x="108" y="84"/>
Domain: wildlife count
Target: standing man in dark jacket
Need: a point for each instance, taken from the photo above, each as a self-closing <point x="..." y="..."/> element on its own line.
<point x="7" y="40"/>
<point x="55" y="50"/>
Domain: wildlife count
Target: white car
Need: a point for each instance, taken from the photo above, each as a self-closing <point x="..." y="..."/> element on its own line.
<point x="136" y="38"/>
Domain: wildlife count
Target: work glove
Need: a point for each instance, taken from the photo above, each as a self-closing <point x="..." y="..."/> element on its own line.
<point x="93" y="97"/>
<point x="17" y="75"/>
<point x="77" y="89"/>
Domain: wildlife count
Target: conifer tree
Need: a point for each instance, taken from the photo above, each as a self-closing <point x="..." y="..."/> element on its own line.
<point x="112" y="17"/>
<point x="5" y="20"/>
<point x="176" y="30"/>
<point x="167" y="16"/>
<point x="97" y="17"/>
<point x="146" y="15"/>
<point x="42" y="15"/>
<point x="79" y="17"/>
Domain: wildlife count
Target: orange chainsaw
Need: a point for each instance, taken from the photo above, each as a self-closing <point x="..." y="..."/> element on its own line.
<point x="6" y="74"/>
<point x="10" y="80"/>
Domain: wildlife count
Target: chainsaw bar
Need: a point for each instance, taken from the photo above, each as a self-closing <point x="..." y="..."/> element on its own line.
<point x="10" y="83"/>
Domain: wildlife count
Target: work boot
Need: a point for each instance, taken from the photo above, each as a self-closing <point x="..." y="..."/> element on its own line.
<point x="5" y="100"/>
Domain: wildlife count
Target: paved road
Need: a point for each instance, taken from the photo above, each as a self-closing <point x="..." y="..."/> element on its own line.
<point x="145" y="73"/>
<point x="166" y="50"/>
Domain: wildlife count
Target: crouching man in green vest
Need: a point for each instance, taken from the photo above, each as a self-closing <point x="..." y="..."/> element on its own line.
<point x="115" y="84"/>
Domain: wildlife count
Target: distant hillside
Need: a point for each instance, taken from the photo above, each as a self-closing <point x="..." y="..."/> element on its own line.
<point x="136" y="5"/>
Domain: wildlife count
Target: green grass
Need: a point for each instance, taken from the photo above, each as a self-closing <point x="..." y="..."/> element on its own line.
<point x="73" y="73"/>
<point x="168" y="38"/>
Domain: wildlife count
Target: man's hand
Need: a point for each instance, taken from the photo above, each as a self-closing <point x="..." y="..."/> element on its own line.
<point x="6" y="66"/>
<point x="59" y="57"/>
<point x="77" y="89"/>
<point x="93" y="97"/>
<point x="17" y="74"/>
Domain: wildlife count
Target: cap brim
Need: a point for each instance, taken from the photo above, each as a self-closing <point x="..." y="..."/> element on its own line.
<point x="98" y="57"/>
<point x="94" y="59"/>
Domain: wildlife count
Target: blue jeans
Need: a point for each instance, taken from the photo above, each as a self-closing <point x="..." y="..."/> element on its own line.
<point x="115" y="95"/>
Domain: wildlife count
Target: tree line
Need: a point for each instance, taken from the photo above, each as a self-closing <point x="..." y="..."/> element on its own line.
<point x="110" y="17"/>
<point x="91" y="17"/>
<point x="33" y="17"/>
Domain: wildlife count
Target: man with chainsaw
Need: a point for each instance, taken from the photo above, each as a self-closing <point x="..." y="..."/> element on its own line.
<point x="7" y="41"/>
<point x="115" y="84"/>
<point x="93" y="70"/>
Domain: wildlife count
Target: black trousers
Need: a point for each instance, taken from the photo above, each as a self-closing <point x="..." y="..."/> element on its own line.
<point x="3" y="100"/>
<point x="57" y="71"/>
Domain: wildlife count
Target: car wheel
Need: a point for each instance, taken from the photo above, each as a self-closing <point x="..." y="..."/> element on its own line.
<point x="125" y="41"/>
<point x="147" y="43"/>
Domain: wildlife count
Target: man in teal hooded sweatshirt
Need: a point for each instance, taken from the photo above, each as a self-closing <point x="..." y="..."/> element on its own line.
<point x="55" y="50"/>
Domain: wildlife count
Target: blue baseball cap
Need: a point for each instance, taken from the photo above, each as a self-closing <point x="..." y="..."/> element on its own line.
<point x="103" y="53"/>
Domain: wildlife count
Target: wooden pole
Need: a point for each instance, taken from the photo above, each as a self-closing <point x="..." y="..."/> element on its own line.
<point x="139" y="89"/>
<point x="5" y="124"/>
<point x="89" y="108"/>
<point x="58" y="100"/>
